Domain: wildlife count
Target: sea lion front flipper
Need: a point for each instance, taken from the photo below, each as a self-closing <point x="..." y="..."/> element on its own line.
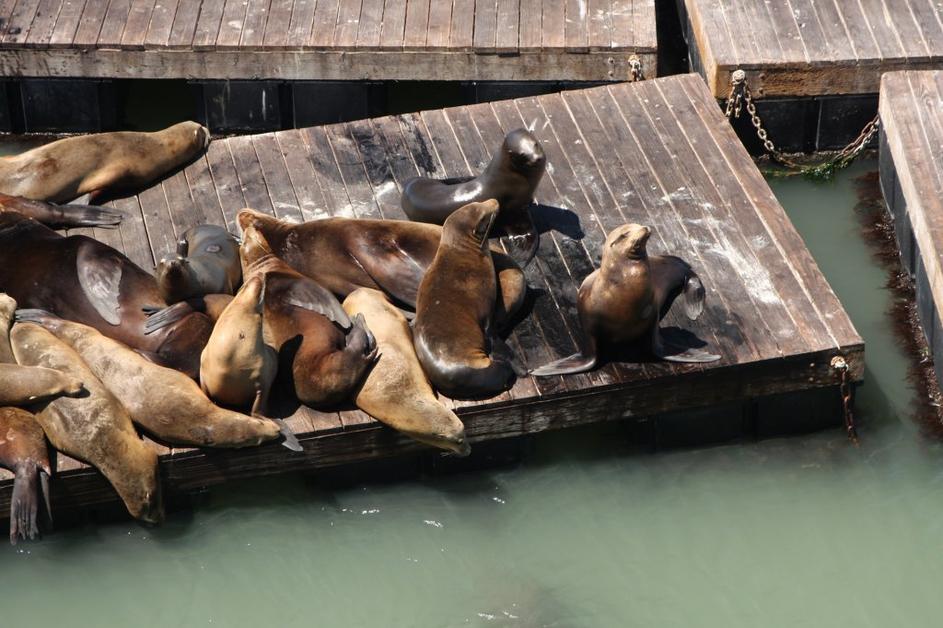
<point x="157" y="319"/>
<point x="289" y="440"/>
<point x="522" y="237"/>
<point x="24" y="504"/>
<point x="673" y="353"/>
<point x="693" y="296"/>
<point x="308" y="295"/>
<point x="99" y="273"/>
<point x="399" y="277"/>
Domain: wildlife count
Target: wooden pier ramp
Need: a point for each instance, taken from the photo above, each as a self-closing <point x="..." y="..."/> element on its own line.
<point x="912" y="182"/>
<point x="657" y="152"/>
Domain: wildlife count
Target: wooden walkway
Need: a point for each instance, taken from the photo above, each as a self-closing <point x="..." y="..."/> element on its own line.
<point x="466" y="40"/>
<point x="657" y="152"/>
<point x="912" y="181"/>
<point x="811" y="47"/>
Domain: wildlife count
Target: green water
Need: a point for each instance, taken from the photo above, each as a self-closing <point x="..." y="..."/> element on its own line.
<point x="804" y="531"/>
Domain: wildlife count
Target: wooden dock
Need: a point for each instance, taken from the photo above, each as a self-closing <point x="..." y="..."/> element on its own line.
<point x="657" y="152"/>
<point x="912" y="182"/>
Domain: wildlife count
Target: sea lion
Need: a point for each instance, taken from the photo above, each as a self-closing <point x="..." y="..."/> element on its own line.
<point x="452" y="331"/>
<point x="61" y="216"/>
<point x="396" y="392"/>
<point x="83" y="280"/>
<point x="323" y="354"/>
<point x="23" y="451"/>
<point x="237" y="368"/>
<point x="207" y="262"/>
<point x="343" y="254"/>
<point x="22" y="385"/>
<point x="511" y="177"/>
<point x="165" y="403"/>
<point x="95" y="427"/>
<point x="626" y="297"/>
<point x="94" y="164"/>
<point x="7" y="310"/>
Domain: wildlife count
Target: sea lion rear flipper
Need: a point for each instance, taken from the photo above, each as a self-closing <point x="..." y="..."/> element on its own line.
<point x="693" y="296"/>
<point x="289" y="440"/>
<point x="157" y="319"/>
<point x="99" y="273"/>
<point x="23" y="503"/>
<point x="674" y="353"/>
<point x="576" y="363"/>
<point x="308" y="295"/>
<point x="522" y="237"/>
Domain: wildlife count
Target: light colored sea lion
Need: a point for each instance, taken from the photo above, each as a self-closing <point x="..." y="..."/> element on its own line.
<point x="207" y="262"/>
<point x="453" y="333"/>
<point x="511" y="178"/>
<point x="95" y="427"/>
<point x="396" y="392"/>
<point x="625" y="299"/>
<point x="7" y="309"/>
<point x="86" y="281"/>
<point x="61" y="216"/>
<point x="22" y="385"/>
<point x="343" y="254"/>
<point x="23" y="451"/>
<point x="237" y="367"/>
<point x="94" y="164"/>
<point x="165" y="403"/>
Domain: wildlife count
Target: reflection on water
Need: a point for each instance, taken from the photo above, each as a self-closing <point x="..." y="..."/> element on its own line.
<point x="799" y="531"/>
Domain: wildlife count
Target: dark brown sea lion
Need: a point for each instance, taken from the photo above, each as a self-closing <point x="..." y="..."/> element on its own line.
<point x="624" y="300"/>
<point x="94" y="164"/>
<point x="95" y="427"/>
<point x="167" y="404"/>
<point x="452" y="331"/>
<point x="511" y="177"/>
<point x="343" y="254"/>
<point x="323" y="354"/>
<point x="23" y="451"/>
<point x="207" y="262"/>
<point x="83" y="280"/>
<point x="61" y="216"/>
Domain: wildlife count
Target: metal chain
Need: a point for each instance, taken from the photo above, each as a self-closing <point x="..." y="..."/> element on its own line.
<point x="635" y="69"/>
<point x="740" y="96"/>
<point x="838" y="363"/>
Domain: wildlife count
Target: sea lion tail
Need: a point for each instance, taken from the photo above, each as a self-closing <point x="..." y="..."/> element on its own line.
<point x="24" y="504"/>
<point x="576" y="363"/>
<point x="74" y="215"/>
<point x="693" y="296"/>
<point x="289" y="439"/>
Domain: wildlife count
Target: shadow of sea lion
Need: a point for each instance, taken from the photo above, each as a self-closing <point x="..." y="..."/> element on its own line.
<point x="565" y="221"/>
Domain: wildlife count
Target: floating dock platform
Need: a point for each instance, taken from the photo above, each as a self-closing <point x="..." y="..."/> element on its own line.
<point x="658" y="152"/>
<point x="912" y="181"/>
<point x="257" y="63"/>
<point x="814" y="66"/>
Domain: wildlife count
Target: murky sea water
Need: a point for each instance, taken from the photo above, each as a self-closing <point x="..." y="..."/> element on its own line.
<point x="805" y="531"/>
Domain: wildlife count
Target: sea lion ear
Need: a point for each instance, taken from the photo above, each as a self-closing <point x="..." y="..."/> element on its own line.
<point x="99" y="273"/>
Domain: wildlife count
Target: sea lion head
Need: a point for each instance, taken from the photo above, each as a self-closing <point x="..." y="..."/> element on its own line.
<point x="186" y="139"/>
<point x="628" y="241"/>
<point x="174" y="277"/>
<point x="524" y="152"/>
<point x="139" y="484"/>
<point x="470" y="226"/>
<point x="253" y="248"/>
<point x="441" y="429"/>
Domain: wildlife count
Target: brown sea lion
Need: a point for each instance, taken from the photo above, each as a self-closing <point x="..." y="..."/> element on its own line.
<point x="23" y="451"/>
<point x="22" y="385"/>
<point x="323" y="354"/>
<point x="95" y="427"/>
<point x="396" y="392"/>
<point x="207" y="262"/>
<point x="237" y="368"/>
<point x="61" y="216"/>
<point x="624" y="300"/>
<point x="167" y="404"/>
<point x="83" y="280"/>
<point x="94" y="164"/>
<point x="511" y="177"/>
<point x="452" y="331"/>
<point x="343" y="254"/>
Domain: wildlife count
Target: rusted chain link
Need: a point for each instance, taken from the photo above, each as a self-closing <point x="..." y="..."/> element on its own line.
<point x="838" y="363"/>
<point x="740" y="96"/>
<point x="635" y="69"/>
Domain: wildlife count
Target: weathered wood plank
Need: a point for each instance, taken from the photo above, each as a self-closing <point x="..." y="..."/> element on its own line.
<point x="67" y="23"/>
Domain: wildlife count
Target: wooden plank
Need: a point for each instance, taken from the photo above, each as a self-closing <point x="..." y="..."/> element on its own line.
<point x="348" y="24"/>
<point x="554" y="24"/>
<point x="321" y="156"/>
<point x="277" y="180"/>
<point x="203" y="191"/>
<point x="41" y="29"/>
<point x="302" y="22"/>
<point x="371" y="24"/>
<point x="158" y="222"/>
<point x="927" y="16"/>
<point x="600" y="24"/>
<point x="135" y="28"/>
<point x="278" y="25"/>
<point x="232" y="24"/>
<point x="187" y="19"/>
<point x="486" y="24"/>
<point x="161" y="25"/>
<point x="577" y="26"/>
<point x="251" y="179"/>
<point x="112" y="27"/>
<point x="19" y="22"/>
<point x="531" y="36"/>
<point x="67" y="23"/>
<point x="253" y="28"/>
<point x="226" y="182"/>
<point x="208" y="24"/>
<point x="814" y="39"/>
<point x="393" y="28"/>
<point x="440" y="24"/>
<point x="507" y="26"/>
<point x="304" y="179"/>
<point x="325" y="22"/>
<point x="417" y="24"/>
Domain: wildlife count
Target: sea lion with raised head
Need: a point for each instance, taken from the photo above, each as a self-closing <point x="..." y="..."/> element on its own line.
<point x="453" y="333"/>
<point x="396" y="391"/>
<point x="95" y="427"/>
<point x="511" y="178"/>
<point x="95" y="164"/>
<point x="624" y="300"/>
<point x="61" y="216"/>
<point x="165" y="403"/>
<point x="86" y="281"/>
<point x="23" y="451"/>
<point x="207" y="262"/>
<point x="237" y="367"/>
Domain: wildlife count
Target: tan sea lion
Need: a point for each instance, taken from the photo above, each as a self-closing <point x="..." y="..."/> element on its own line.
<point x="23" y="451"/>
<point x="94" y="164"/>
<point x="237" y="368"/>
<point x="453" y="333"/>
<point x="95" y="427"/>
<point x="164" y="402"/>
<point x="396" y="392"/>
<point x="511" y="178"/>
<point x="323" y="354"/>
<point x="624" y="300"/>
<point x="7" y="309"/>
<point x="22" y="385"/>
<point x="83" y="280"/>
<point x="61" y="216"/>
<point x="207" y="262"/>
